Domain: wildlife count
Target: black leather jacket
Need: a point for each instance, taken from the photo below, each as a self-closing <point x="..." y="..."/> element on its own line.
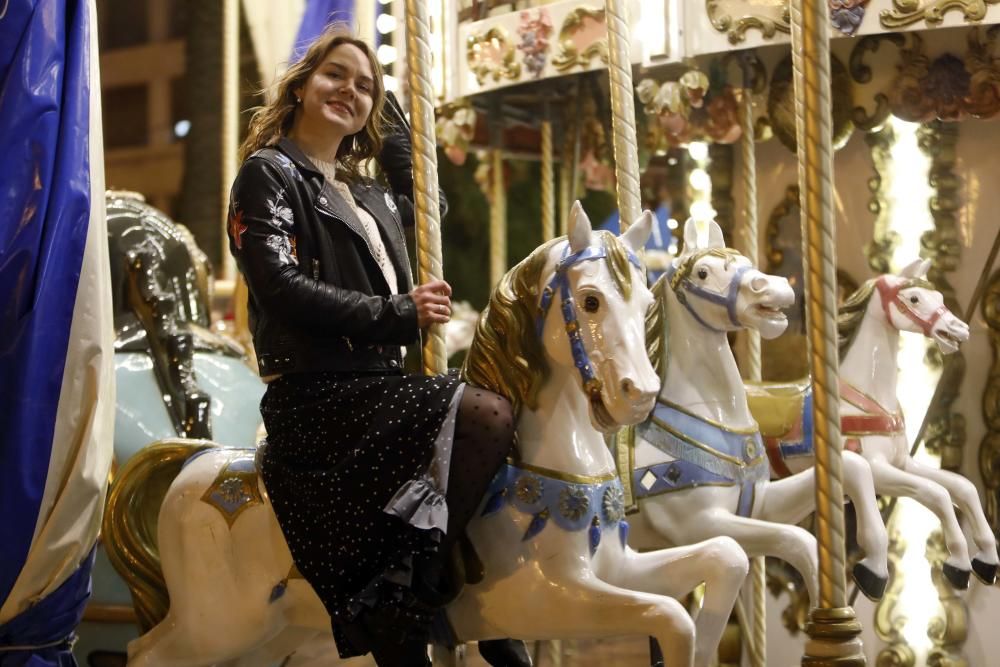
<point x="318" y="300"/>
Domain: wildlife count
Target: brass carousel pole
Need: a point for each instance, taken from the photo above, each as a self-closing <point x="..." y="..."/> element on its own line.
<point x="758" y="588"/>
<point x="833" y="629"/>
<point x="548" y="177"/>
<point x="623" y="113"/>
<point x="425" y="172"/>
<point x="626" y="168"/>
<point x="229" y="121"/>
<point x="498" y="199"/>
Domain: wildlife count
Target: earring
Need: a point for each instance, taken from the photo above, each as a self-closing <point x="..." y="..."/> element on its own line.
<point x="298" y="100"/>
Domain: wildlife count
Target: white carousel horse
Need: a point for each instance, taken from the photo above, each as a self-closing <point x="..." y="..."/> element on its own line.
<point x="872" y="422"/>
<point x="699" y="467"/>
<point x="552" y="534"/>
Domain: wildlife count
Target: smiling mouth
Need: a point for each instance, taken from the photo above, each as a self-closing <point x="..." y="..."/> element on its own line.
<point x="770" y="313"/>
<point x="341" y="107"/>
<point x="949" y="338"/>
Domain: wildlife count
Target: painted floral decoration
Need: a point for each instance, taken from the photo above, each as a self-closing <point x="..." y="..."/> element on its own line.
<point x="573" y="502"/>
<point x="456" y="126"/>
<point x="846" y="15"/>
<point x="534" y="31"/>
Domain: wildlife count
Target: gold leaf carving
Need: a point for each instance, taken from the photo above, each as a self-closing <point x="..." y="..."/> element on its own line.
<point x="737" y="17"/>
<point x="492" y="54"/>
<point x="908" y="12"/>
<point x="577" y="43"/>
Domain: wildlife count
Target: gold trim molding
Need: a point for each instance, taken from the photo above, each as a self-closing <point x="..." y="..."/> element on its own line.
<point x="888" y="623"/>
<point x="908" y="12"/>
<point x="766" y="17"/>
<point x="569" y="55"/>
<point x="492" y="54"/>
<point x="884" y="240"/>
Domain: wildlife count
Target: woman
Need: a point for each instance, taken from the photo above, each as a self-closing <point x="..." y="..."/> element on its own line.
<point x="372" y="474"/>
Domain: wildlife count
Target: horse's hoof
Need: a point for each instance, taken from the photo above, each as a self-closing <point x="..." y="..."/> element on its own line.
<point x="870" y="584"/>
<point x="985" y="572"/>
<point x="505" y="653"/>
<point x="957" y="577"/>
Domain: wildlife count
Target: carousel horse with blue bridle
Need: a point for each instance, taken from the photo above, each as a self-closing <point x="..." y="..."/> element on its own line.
<point x="563" y="339"/>
<point x="872" y="425"/>
<point x="698" y="468"/>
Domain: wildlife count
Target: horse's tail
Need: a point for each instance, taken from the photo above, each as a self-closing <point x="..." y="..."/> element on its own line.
<point x="130" y="522"/>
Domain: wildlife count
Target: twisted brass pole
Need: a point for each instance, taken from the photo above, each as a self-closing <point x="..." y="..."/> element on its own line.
<point x="425" y="172"/>
<point x="498" y="218"/>
<point x="548" y="182"/>
<point x="758" y="643"/>
<point x="230" y="116"/>
<point x="833" y="628"/>
<point x="565" y="180"/>
<point x="498" y="198"/>
<point x="623" y="113"/>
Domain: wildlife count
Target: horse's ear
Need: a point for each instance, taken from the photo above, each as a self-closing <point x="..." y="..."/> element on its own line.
<point x="635" y="237"/>
<point x="690" y="236"/>
<point x="916" y="269"/>
<point x="715" y="238"/>
<point x="579" y="228"/>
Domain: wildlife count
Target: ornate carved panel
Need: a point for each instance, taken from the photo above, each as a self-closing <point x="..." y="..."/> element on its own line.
<point x="737" y="17"/>
<point x="947" y="87"/>
<point x="492" y="54"/>
<point x="583" y="37"/>
<point x="908" y="12"/>
<point x="989" y="448"/>
<point x="946" y="429"/>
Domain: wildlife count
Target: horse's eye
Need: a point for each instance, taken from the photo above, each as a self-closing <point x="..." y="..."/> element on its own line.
<point x="703" y="273"/>
<point x="591" y="304"/>
<point x="914" y="299"/>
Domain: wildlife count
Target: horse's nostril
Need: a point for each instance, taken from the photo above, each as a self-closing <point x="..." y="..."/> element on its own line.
<point x="628" y="386"/>
<point x="758" y="283"/>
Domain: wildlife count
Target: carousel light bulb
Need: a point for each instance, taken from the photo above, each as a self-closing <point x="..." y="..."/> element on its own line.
<point x="391" y="83"/>
<point x="386" y="54"/>
<point x="698" y="150"/>
<point x="702" y="210"/>
<point x="385" y="23"/>
<point x="672" y="224"/>
<point x="700" y="180"/>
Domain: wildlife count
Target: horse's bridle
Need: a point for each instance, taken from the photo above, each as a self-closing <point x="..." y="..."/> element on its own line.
<point x="684" y="286"/>
<point x="560" y="281"/>
<point x="890" y="296"/>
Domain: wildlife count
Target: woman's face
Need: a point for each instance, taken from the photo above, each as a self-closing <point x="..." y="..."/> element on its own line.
<point x="337" y="96"/>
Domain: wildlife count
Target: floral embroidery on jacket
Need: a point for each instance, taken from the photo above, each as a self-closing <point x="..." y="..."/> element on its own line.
<point x="281" y="215"/>
<point x="284" y="246"/>
<point x="236" y="226"/>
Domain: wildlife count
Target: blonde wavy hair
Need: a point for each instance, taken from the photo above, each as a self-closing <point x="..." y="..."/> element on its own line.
<point x="506" y="355"/>
<point x="274" y="120"/>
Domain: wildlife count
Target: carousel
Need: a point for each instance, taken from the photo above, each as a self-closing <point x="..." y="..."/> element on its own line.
<point x="774" y="318"/>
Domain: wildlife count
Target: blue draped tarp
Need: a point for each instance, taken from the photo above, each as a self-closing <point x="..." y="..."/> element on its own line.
<point x="52" y="480"/>
<point x="318" y="14"/>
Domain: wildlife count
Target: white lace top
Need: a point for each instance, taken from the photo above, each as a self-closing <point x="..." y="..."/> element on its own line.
<point x="375" y="240"/>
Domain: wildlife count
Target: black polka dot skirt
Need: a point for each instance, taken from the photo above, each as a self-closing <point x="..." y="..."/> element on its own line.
<point x="338" y="450"/>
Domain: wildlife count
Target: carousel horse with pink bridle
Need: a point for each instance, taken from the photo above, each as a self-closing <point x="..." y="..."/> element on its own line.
<point x="869" y="325"/>
<point x="563" y="339"/>
<point x="698" y="465"/>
